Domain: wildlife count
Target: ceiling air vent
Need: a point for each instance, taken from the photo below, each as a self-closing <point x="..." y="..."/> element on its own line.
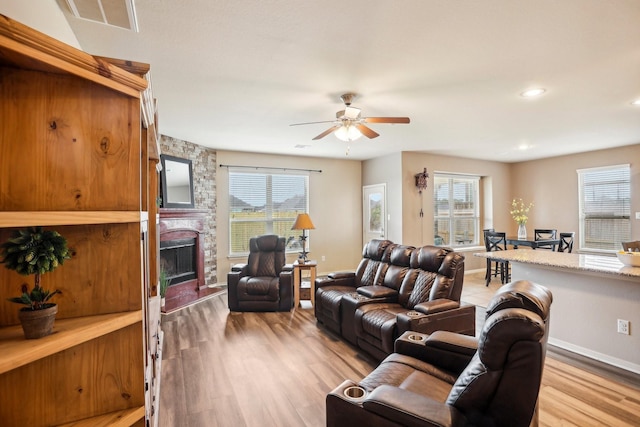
<point x="119" y="13"/>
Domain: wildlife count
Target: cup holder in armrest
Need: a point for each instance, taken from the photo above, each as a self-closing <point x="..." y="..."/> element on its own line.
<point x="413" y="313"/>
<point x="416" y="337"/>
<point x="358" y="297"/>
<point x="355" y="392"/>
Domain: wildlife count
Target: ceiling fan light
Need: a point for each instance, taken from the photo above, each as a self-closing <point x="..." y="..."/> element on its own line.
<point x="348" y="133"/>
<point x="532" y="93"/>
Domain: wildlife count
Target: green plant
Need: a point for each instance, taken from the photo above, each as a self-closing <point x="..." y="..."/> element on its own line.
<point x="164" y="282"/>
<point x="34" y="251"/>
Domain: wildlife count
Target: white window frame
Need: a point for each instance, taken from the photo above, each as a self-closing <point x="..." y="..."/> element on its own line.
<point x="621" y="213"/>
<point x="283" y="229"/>
<point x="452" y="241"/>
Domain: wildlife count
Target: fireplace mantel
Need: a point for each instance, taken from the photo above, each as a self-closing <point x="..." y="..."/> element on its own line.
<point x="185" y="224"/>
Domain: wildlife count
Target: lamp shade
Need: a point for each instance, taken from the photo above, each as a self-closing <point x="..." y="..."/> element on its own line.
<point x="303" y="222"/>
<point x="348" y="133"/>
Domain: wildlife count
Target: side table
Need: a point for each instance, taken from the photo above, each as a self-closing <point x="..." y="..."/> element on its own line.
<point x="298" y="268"/>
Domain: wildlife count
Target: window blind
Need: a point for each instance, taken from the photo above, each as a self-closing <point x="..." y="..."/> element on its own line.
<point x="265" y="203"/>
<point x="456" y="210"/>
<point x="604" y="207"/>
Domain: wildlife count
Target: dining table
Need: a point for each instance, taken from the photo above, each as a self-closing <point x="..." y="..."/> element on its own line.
<point x="532" y="242"/>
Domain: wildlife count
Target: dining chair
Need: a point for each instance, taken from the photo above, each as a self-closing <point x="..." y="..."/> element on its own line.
<point x="544" y="234"/>
<point x="496" y="241"/>
<point x="566" y="242"/>
<point x="631" y="246"/>
<point x="491" y="268"/>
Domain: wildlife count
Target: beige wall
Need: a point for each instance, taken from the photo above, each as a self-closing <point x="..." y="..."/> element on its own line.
<point x="335" y="207"/>
<point x="404" y="202"/>
<point x="552" y="184"/>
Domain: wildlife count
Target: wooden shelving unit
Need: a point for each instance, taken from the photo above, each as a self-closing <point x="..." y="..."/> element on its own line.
<point x="73" y="159"/>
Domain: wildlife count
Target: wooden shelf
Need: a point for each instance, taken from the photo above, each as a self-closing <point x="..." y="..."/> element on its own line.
<point x="47" y="218"/>
<point x="122" y="418"/>
<point x="16" y="351"/>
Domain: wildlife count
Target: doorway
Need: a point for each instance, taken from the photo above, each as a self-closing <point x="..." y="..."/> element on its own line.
<point x="374" y="212"/>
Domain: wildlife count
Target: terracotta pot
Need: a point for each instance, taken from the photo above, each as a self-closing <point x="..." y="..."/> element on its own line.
<point x="38" y="323"/>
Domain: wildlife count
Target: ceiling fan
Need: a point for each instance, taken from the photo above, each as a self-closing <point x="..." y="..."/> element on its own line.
<point x="349" y="124"/>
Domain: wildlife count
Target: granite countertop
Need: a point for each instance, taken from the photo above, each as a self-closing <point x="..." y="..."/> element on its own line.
<point x="580" y="262"/>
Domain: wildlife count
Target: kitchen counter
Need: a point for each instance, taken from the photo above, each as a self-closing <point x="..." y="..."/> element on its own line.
<point x="584" y="263"/>
<point x="590" y="294"/>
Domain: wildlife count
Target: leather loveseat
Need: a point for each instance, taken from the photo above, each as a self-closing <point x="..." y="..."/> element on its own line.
<point x="413" y="289"/>
<point x="448" y="379"/>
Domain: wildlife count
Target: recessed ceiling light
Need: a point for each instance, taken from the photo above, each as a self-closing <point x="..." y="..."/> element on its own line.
<point x="531" y="93"/>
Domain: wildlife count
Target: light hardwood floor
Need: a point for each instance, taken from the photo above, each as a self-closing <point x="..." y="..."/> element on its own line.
<point x="275" y="369"/>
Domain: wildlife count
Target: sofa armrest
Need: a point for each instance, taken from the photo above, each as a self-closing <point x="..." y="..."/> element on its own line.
<point x="286" y="288"/>
<point x="337" y="279"/>
<point x="436" y="306"/>
<point x="239" y="268"/>
<point x="378" y="292"/>
<point x="449" y="351"/>
<point x="460" y="318"/>
<point x="410" y="409"/>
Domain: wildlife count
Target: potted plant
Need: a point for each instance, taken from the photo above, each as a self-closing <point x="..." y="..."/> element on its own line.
<point x="164" y="284"/>
<point x="34" y="251"/>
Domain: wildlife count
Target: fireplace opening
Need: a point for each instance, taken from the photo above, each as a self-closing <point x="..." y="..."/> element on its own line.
<point x="178" y="259"/>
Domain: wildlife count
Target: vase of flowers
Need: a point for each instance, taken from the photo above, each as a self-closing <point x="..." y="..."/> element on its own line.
<point x="35" y="251"/>
<point x="520" y="214"/>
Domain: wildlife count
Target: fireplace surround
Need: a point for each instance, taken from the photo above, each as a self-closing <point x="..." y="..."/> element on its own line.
<point x="182" y="255"/>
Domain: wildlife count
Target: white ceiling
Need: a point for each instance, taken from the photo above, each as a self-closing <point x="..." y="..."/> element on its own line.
<point x="233" y="74"/>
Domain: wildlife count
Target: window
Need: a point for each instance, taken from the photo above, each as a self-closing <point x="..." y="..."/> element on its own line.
<point x="265" y="203"/>
<point x="456" y="211"/>
<point x="605" y="207"/>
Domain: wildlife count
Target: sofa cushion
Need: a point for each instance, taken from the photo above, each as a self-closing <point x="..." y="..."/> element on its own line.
<point x="410" y="374"/>
<point x="258" y="288"/>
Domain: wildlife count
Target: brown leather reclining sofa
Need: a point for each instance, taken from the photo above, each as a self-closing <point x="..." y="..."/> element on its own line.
<point x="394" y="289"/>
<point x="447" y="379"/>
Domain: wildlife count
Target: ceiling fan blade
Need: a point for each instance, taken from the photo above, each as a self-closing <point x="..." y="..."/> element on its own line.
<point x="312" y="123"/>
<point x="327" y="132"/>
<point x="386" y="120"/>
<point x="368" y="132"/>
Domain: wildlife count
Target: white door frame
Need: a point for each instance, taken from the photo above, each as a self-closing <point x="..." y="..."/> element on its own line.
<point x="374" y="227"/>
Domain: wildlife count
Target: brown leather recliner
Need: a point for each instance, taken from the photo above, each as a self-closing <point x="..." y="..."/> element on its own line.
<point x="264" y="283"/>
<point x="331" y="289"/>
<point x="448" y="379"/>
<point x="428" y="300"/>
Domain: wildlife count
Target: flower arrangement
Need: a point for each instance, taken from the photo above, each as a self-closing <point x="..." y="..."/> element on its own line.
<point x="520" y="211"/>
<point x="34" y="251"/>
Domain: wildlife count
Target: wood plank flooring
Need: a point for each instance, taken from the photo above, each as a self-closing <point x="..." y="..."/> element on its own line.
<point x="275" y="369"/>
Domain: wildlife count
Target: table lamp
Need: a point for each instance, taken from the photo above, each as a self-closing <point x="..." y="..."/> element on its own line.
<point x="303" y="222"/>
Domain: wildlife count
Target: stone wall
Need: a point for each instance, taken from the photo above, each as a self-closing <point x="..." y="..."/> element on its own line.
<point x="204" y="188"/>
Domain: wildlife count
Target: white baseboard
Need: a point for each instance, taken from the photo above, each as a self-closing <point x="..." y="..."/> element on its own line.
<point x="613" y="361"/>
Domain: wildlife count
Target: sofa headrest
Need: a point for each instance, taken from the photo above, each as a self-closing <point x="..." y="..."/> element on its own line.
<point x="401" y="255"/>
<point x="450" y="264"/>
<point x="429" y="258"/>
<point x="502" y="330"/>
<point x="375" y="249"/>
<point x="267" y="243"/>
<point x="522" y="294"/>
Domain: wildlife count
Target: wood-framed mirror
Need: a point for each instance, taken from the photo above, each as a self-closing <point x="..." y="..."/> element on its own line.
<point x="177" y="182"/>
